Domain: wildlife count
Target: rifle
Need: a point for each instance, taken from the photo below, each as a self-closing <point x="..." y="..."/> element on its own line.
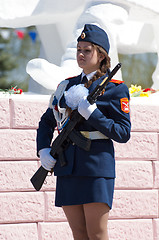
<point x="70" y="135"/>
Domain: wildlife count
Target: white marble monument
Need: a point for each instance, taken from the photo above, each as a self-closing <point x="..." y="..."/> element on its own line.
<point x="132" y="26"/>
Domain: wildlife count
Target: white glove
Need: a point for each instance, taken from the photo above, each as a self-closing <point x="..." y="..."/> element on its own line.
<point x="47" y="161"/>
<point x="74" y="95"/>
<point x="85" y="108"/>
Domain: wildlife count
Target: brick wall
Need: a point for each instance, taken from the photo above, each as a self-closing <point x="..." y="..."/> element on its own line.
<point x="27" y="214"/>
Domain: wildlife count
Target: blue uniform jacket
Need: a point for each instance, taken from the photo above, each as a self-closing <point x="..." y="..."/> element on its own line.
<point x="110" y="118"/>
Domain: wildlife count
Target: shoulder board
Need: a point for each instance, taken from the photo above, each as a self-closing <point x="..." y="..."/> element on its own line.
<point x="116" y="81"/>
<point x="70" y="77"/>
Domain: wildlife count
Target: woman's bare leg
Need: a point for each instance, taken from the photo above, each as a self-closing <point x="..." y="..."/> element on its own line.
<point x="77" y="222"/>
<point x="96" y="215"/>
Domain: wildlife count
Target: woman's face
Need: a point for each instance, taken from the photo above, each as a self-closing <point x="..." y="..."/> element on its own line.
<point x="88" y="58"/>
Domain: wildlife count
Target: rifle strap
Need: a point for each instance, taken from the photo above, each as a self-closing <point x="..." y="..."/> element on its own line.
<point x="77" y="138"/>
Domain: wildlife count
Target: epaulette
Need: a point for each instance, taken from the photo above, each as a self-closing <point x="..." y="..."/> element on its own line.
<point x="116" y="81"/>
<point x="70" y="77"/>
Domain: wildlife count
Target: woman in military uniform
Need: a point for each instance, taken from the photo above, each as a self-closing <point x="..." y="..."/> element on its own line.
<point x="85" y="185"/>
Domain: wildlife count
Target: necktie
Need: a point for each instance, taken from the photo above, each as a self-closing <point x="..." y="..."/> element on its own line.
<point x="84" y="80"/>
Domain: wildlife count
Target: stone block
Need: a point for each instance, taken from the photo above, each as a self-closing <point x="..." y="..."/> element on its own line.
<point x="145" y="117"/>
<point x="135" y="229"/>
<point x="156" y="228"/>
<point x="134" y="175"/>
<point x="18" y="231"/>
<point x="156" y="174"/>
<point x="22" y="207"/>
<point x="135" y="204"/>
<point x="4" y="113"/>
<point x="27" y="111"/>
<point x="141" y="145"/>
<point x="53" y="213"/>
<point x="55" y="231"/>
<point x="17" y="144"/>
<point x="15" y="175"/>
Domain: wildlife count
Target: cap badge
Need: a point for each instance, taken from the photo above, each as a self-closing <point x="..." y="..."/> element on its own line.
<point x="83" y="35"/>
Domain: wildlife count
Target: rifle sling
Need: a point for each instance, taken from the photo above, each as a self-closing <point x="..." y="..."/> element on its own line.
<point x="81" y="141"/>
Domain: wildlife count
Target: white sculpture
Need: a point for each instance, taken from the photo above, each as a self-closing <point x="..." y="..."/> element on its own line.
<point x="132" y="26"/>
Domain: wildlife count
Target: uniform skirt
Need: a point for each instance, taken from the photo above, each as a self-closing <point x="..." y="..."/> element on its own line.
<point x="75" y="190"/>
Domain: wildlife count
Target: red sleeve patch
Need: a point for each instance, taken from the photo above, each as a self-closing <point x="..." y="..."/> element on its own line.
<point x="125" y="105"/>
